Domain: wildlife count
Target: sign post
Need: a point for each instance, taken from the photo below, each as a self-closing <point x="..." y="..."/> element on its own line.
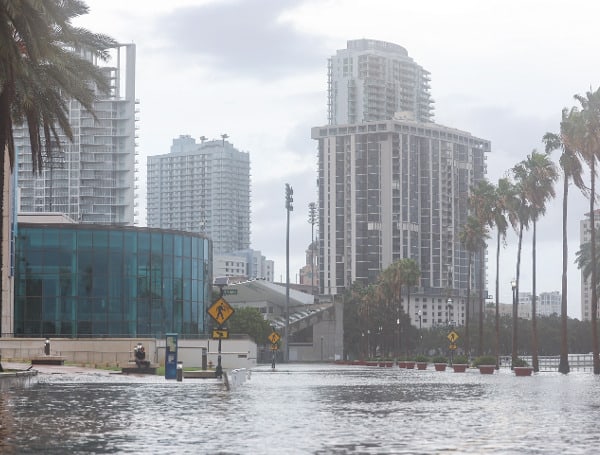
<point x="274" y="338"/>
<point x="220" y="311"/>
<point x="452" y="337"/>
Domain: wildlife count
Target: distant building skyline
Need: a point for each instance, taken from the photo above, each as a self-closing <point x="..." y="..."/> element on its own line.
<point x="93" y="178"/>
<point x="586" y="289"/>
<point x="373" y="80"/>
<point x="204" y="188"/>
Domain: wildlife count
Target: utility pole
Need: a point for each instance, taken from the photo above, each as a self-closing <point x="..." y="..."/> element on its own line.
<point x="312" y="219"/>
<point x="289" y="207"/>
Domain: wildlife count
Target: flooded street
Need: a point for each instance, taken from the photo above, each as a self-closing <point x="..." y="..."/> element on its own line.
<point x="305" y="409"/>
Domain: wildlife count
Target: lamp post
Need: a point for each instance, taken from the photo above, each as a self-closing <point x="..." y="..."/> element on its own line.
<point x="398" y="340"/>
<point x="312" y="219"/>
<point x="288" y="207"/>
<point x="513" y="285"/>
<point x="448" y="308"/>
<point x="420" y="332"/>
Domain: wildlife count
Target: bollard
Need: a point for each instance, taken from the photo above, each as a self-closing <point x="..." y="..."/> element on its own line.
<point x="179" y="371"/>
<point x="204" y="358"/>
<point x="47" y="347"/>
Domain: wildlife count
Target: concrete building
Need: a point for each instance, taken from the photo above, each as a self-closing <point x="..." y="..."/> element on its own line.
<point x="372" y="80"/>
<point x="398" y="189"/>
<point x="586" y="289"/>
<point x="245" y="264"/>
<point x="202" y="188"/>
<point x="92" y="179"/>
<point x="309" y="273"/>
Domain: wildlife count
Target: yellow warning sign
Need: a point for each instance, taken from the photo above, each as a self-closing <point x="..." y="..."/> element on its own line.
<point x="220" y="311"/>
<point x="274" y="337"/>
<point x="220" y="334"/>
<point x="453" y="336"/>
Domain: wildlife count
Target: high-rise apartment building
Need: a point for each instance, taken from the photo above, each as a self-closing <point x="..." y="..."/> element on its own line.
<point x="91" y="179"/>
<point x="586" y="288"/>
<point x="204" y="188"/>
<point x="372" y="80"/>
<point x="396" y="189"/>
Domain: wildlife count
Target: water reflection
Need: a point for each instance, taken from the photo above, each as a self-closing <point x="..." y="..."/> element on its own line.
<point x="306" y="409"/>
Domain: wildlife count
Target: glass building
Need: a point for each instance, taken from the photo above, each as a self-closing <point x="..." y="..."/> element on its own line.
<point x="74" y="280"/>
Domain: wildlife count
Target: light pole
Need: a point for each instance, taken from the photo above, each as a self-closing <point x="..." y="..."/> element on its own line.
<point x="312" y="219"/>
<point x="420" y="332"/>
<point x="448" y="308"/>
<point x="513" y="285"/>
<point x="289" y="207"/>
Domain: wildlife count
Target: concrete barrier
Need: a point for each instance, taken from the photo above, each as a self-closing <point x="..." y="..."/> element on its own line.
<point x="18" y="379"/>
<point x="235" y="378"/>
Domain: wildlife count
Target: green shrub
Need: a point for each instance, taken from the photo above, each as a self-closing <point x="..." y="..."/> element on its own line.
<point x="421" y="358"/>
<point x="460" y="359"/>
<point x="485" y="360"/>
<point x="440" y="359"/>
<point x="519" y="362"/>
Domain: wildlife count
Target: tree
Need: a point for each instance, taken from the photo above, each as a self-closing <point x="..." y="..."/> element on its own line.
<point x="481" y="202"/>
<point x="570" y="163"/>
<point x="523" y="216"/>
<point x="251" y="322"/>
<point x="41" y="67"/>
<point x="501" y="210"/>
<point x="473" y="235"/>
<point x="588" y="140"/>
<point x="537" y="174"/>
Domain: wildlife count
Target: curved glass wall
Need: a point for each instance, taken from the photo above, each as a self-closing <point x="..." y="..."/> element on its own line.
<point x="97" y="281"/>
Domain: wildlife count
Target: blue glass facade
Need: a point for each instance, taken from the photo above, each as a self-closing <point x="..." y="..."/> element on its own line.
<point x="108" y="281"/>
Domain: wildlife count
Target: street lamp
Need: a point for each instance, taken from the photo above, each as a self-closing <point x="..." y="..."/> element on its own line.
<point x="448" y="308"/>
<point x="420" y="332"/>
<point x="288" y="207"/>
<point x="513" y="285"/>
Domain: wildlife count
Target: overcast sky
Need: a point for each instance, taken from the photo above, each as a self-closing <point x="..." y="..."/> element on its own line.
<point x="257" y="71"/>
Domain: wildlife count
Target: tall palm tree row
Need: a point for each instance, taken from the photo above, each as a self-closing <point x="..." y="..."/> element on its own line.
<point x="570" y="163"/>
<point x="473" y="237"/>
<point x="42" y="65"/>
<point x="537" y="184"/>
<point x="588" y="140"/>
<point x="481" y="203"/>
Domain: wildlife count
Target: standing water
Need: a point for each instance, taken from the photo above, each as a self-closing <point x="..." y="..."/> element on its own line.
<point x="306" y="409"/>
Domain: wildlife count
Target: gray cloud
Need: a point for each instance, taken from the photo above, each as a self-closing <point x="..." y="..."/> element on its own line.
<point x="244" y="37"/>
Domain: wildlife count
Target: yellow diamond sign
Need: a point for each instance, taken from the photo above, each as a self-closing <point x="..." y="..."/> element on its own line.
<point x="274" y="337"/>
<point x="220" y="311"/>
<point x="453" y="336"/>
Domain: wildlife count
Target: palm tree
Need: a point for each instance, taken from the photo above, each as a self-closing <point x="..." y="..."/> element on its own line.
<point x="481" y="202"/>
<point x="473" y="236"/>
<point x="501" y="210"/>
<point x="570" y="164"/>
<point x="41" y="66"/>
<point x="588" y="138"/>
<point x="538" y="187"/>
<point x="523" y="216"/>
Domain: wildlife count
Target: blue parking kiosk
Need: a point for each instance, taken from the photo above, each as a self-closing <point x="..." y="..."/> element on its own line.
<point x="171" y="356"/>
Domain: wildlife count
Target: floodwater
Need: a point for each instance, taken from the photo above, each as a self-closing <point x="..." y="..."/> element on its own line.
<point x="306" y="409"/>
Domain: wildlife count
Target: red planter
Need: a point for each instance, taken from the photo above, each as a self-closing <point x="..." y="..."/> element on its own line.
<point x="440" y="366"/>
<point x="487" y="369"/>
<point x="421" y="365"/>
<point x="370" y="363"/>
<point x="401" y="364"/>
<point x="410" y="365"/>
<point x="523" y="371"/>
<point x="460" y="367"/>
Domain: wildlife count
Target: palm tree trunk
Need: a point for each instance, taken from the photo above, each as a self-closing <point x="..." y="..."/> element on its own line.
<point x="481" y="305"/>
<point x="563" y="365"/>
<point x="534" y="337"/>
<point x="467" y="337"/>
<point x="497" y="319"/>
<point x="516" y="299"/>
<point x="594" y="282"/>
<point x="3" y="154"/>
